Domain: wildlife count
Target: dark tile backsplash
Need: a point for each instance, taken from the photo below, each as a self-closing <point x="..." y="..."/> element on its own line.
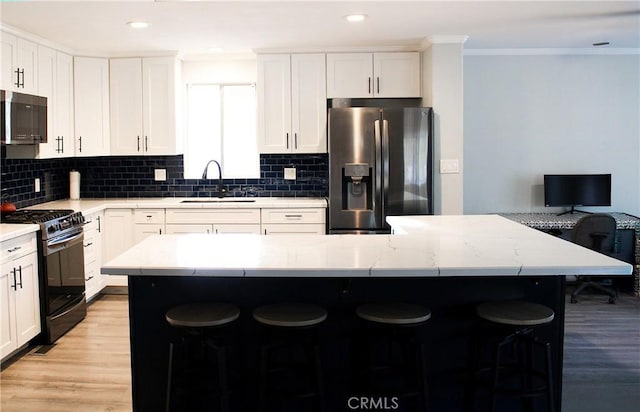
<point x="133" y="176"/>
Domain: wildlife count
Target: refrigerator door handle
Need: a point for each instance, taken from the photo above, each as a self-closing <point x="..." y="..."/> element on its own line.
<point x="385" y="167"/>
<point x="378" y="204"/>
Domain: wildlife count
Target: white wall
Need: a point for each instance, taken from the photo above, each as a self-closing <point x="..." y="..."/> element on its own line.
<point x="219" y="71"/>
<point x="527" y="115"/>
<point x="443" y="90"/>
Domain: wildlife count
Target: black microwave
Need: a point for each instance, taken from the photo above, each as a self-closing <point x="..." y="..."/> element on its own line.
<point x="24" y="118"/>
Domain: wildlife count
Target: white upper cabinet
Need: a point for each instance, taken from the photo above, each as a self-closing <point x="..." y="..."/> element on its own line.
<point x="361" y="75"/>
<point x="91" y="97"/>
<point x="55" y="82"/>
<point x="19" y="64"/>
<point x="292" y="106"/>
<point x="145" y="105"/>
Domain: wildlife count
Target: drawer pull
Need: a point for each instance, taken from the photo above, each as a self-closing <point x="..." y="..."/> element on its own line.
<point x="293" y="216"/>
<point x="14" y="249"/>
<point x="88" y="244"/>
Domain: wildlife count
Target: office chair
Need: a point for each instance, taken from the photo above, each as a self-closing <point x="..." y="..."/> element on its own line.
<point x="597" y="232"/>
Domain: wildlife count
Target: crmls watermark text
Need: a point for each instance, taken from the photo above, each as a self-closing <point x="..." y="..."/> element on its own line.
<point x="371" y="403"/>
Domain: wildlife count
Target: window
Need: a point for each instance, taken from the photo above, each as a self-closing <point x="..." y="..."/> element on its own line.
<point x="221" y="125"/>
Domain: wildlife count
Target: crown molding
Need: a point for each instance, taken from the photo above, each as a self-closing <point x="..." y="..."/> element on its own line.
<point x="443" y="39"/>
<point x="551" y="52"/>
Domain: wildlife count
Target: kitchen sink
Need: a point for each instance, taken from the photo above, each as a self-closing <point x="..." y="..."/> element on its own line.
<point x="230" y="200"/>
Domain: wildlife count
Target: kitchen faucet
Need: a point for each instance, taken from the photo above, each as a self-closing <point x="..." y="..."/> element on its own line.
<point x="204" y="176"/>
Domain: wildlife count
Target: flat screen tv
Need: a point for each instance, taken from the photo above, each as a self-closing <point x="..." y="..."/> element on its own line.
<point x="577" y="190"/>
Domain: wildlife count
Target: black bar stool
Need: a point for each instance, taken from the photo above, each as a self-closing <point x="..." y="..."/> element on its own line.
<point x="404" y="373"/>
<point x="290" y="364"/>
<point x="513" y="371"/>
<point x="199" y="322"/>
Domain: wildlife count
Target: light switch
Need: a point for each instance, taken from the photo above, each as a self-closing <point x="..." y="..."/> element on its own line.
<point x="160" y="175"/>
<point x="449" y="166"/>
<point x="289" y="173"/>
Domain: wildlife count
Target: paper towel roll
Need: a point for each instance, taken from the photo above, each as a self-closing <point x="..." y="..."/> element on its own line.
<point x="74" y="185"/>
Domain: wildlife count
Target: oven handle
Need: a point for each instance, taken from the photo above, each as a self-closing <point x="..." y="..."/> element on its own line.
<point x="65" y="239"/>
<point x="80" y="302"/>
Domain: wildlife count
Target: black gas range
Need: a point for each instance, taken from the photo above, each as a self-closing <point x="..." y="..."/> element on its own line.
<point x="60" y="267"/>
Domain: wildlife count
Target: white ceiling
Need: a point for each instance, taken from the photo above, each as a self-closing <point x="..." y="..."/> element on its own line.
<point x="191" y="28"/>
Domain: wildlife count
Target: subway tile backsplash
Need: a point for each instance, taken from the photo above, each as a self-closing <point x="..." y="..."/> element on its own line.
<point x="133" y="176"/>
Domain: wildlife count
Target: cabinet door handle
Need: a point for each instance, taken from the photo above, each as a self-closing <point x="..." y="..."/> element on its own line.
<point x="15" y="281"/>
<point x="146" y="143"/>
<point x="17" y="83"/>
<point x="295" y="139"/>
<point x="160" y="231"/>
<point x="22" y="82"/>
<point x="80" y="148"/>
<point x="265" y="231"/>
<point x="378" y="83"/>
<point x="13" y="249"/>
<point x="138" y="143"/>
<point x="287" y="140"/>
<point x="20" y="272"/>
<point x="369" y="82"/>
<point x="99" y="228"/>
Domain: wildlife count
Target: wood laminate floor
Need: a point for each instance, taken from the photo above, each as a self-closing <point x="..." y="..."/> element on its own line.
<point x="88" y="369"/>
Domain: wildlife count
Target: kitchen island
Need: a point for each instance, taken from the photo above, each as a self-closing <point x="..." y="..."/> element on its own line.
<point x="448" y="263"/>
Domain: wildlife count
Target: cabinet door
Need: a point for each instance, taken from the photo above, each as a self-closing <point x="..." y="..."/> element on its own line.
<point x="118" y="232"/>
<point x="28" y="65"/>
<point x="142" y="231"/>
<point x="274" y="103"/>
<point x="349" y="75"/>
<point x="46" y="88"/>
<point x="63" y="105"/>
<point x="91" y="96"/>
<point x="125" y="89"/>
<point x="8" y="337"/>
<point x="176" y="229"/>
<point x="160" y="98"/>
<point x="284" y="229"/>
<point x="308" y="103"/>
<point x="397" y="74"/>
<point x="27" y="299"/>
<point x="236" y="229"/>
<point x="8" y="61"/>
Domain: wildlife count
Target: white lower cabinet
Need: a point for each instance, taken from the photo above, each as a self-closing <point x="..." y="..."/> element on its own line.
<point x="148" y="222"/>
<point x="213" y="221"/>
<point x="93" y="231"/>
<point x="290" y="221"/>
<point x="118" y="237"/>
<point x="19" y="294"/>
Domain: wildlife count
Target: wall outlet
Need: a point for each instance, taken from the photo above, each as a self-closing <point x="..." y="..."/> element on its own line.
<point x="449" y="166"/>
<point x="160" y="175"/>
<point x="289" y="173"/>
<point x="36" y="185"/>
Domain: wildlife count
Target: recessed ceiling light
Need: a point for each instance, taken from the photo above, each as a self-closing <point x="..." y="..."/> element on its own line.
<point x="353" y="18"/>
<point x="138" y="24"/>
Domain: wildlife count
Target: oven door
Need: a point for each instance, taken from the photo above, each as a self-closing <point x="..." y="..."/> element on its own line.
<point x="64" y="257"/>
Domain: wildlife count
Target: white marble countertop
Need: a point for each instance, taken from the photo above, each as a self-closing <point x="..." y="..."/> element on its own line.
<point x="87" y="206"/>
<point x="9" y="231"/>
<point x="470" y="245"/>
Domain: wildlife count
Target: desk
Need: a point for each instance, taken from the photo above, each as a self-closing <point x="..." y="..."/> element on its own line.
<point x="627" y="241"/>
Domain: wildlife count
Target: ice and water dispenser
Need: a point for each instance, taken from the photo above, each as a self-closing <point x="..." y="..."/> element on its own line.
<point x="356" y="186"/>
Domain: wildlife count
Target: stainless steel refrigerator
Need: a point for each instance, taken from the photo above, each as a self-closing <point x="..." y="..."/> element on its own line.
<point x="380" y="164"/>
